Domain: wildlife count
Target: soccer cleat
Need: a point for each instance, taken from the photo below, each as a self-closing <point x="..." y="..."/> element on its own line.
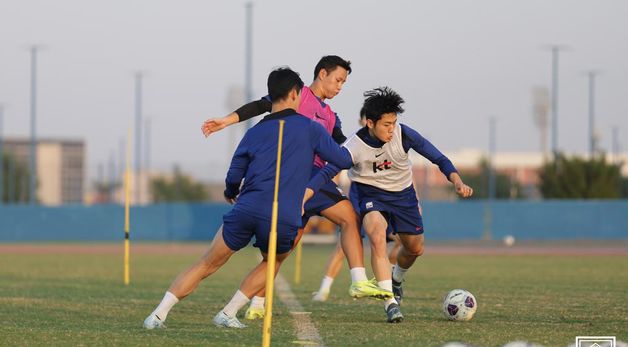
<point x="153" y="322"/>
<point x="394" y="314"/>
<point x="222" y="320"/>
<point x="320" y="296"/>
<point x="366" y="289"/>
<point x="373" y="281"/>
<point x="253" y="313"/>
<point x="397" y="291"/>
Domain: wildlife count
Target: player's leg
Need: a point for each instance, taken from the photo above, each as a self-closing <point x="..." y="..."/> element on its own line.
<point x="393" y="248"/>
<point x="251" y="284"/>
<point x="343" y="215"/>
<point x="411" y="249"/>
<point x="375" y="226"/>
<point x="334" y="264"/>
<point x="185" y="283"/>
<point x="256" y="309"/>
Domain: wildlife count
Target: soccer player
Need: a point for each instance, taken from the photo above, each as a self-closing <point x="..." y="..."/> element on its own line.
<point x="334" y="262"/>
<point x="382" y="186"/>
<point x="254" y="162"/>
<point x="330" y="74"/>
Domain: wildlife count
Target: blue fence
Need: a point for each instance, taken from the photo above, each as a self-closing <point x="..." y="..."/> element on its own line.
<point x="545" y="220"/>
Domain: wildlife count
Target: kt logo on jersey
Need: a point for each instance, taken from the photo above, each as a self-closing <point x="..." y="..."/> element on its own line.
<point x="380" y="166"/>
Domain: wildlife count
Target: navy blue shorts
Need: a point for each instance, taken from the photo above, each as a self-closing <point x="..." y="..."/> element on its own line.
<point x="356" y="206"/>
<point x="324" y="198"/>
<point x="400" y="209"/>
<point x="239" y="228"/>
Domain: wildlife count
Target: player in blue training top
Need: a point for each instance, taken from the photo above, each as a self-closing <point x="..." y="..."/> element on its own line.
<point x="381" y="178"/>
<point x="254" y="162"/>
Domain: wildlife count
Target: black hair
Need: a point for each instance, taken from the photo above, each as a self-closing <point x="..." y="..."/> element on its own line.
<point x="281" y="81"/>
<point x="381" y="100"/>
<point x="330" y="63"/>
<point x="362" y="113"/>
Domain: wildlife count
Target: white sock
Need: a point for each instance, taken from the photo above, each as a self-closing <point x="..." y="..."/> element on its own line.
<point x="398" y="273"/>
<point x="165" y="306"/>
<point x="387" y="284"/>
<point x="258" y="302"/>
<point x="326" y="284"/>
<point x="238" y="301"/>
<point x="358" y="274"/>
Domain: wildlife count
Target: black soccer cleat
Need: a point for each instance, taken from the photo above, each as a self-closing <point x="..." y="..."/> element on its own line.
<point x="394" y="314"/>
<point x="397" y="291"/>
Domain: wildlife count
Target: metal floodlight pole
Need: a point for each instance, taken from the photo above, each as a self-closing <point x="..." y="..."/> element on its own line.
<point x="615" y="143"/>
<point x="147" y="148"/>
<point x="555" y="49"/>
<point x="138" y="134"/>
<point x="33" y="150"/>
<point x="248" y="56"/>
<point x="1" y="156"/>
<point x="491" y="160"/>
<point x="592" y="141"/>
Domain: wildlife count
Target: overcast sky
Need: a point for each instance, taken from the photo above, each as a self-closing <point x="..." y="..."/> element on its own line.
<point x="456" y="63"/>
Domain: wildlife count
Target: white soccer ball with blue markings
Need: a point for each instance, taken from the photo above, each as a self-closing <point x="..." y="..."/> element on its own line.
<point x="459" y="305"/>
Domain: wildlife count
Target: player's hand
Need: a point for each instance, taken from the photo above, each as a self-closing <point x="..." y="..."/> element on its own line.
<point x="214" y="125"/>
<point x="463" y="190"/>
<point x="231" y="201"/>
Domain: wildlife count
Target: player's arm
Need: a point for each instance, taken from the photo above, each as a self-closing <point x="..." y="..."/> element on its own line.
<point x="325" y="146"/>
<point x="248" y="111"/>
<point x="237" y="171"/>
<point x="412" y="139"/>
<point x="337" y="133"/>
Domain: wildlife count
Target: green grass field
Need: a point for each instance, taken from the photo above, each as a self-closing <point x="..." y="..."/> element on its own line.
<point x="79" y="299"/>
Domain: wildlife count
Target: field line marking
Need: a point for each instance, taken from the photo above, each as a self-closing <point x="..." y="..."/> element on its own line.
<point x="307" y="333"/>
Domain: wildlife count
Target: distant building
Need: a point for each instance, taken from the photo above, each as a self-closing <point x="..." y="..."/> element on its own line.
<point x="60" y="168"/>
<point x="521" y="167"/>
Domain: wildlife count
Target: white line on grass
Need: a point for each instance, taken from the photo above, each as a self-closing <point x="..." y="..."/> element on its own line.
<point x="307" y="333"/>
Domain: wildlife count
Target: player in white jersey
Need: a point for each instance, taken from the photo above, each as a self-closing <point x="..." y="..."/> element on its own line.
<point x="334" y="262"/>
<point x="383" y="191"/>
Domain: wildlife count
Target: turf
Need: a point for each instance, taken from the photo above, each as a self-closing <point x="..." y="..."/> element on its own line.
<point x="79" y="299"/>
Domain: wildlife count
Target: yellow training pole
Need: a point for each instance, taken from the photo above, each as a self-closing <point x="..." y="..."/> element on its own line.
<point x="297" y="262"/>
<point x="127" y="195"/>
<point x="272" y="250"/>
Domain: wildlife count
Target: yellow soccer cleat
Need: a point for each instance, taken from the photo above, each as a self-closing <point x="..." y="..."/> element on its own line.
<point x="253" y="313"/>
<point x="366" y="289"/>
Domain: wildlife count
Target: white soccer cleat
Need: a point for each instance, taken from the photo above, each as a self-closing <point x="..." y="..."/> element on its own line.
<point x="320" y="296"/>
<point x="153" y="322"/>
<point x="222" y="320"/>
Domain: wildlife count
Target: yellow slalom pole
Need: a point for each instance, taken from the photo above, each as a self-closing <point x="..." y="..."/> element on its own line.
<point x="127" y="196"/>
<point x="272" y="250"/>
<point x="297" y="262"/>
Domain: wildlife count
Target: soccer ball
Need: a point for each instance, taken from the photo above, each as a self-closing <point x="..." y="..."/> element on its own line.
<point x="459" y="305"/>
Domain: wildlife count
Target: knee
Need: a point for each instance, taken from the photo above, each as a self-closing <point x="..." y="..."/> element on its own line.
<point x="415" y="250"/>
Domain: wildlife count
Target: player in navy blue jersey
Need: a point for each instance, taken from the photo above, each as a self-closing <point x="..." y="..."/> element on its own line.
<point x="382" y="187"/>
